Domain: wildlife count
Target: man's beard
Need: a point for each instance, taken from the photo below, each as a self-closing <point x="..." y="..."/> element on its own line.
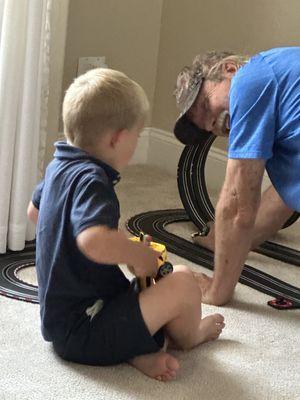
<point x="222" y="124"/>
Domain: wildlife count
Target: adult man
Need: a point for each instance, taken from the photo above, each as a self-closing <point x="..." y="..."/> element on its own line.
<point x="256" y="101"/>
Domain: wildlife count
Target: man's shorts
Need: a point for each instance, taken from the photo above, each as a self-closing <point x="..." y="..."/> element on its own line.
<point x="117" y="333"/>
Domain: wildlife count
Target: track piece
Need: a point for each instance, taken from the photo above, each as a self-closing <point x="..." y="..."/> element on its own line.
<point x="155" y="222"/>
<point x="10" y="284"/>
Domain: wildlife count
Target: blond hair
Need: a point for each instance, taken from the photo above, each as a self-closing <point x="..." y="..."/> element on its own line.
<point x="212" y="62"/>
<point x="101" y="100"/>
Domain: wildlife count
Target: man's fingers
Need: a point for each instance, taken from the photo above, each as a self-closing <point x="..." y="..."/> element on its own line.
<point x="147" y="240"/>
<point x="201" y="277"/>
<point x="206" y="278"/>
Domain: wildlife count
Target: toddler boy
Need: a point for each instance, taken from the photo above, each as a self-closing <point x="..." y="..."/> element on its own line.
<point x="89" y="310"/>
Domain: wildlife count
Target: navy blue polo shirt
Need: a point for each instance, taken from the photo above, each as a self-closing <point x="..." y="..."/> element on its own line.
<point x="76" y="193"/>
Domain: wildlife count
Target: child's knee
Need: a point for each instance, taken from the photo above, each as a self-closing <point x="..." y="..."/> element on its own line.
<point x="185" y="284"/>
<point x="181" y="268"/>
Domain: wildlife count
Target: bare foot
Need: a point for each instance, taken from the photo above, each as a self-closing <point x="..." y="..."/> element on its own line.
<point x="161" y="366"/>
<point x="211" y="327"/>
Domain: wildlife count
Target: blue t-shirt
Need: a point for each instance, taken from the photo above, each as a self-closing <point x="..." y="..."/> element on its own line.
<point x="77" y="193"/>
<point x="265" y="118"/>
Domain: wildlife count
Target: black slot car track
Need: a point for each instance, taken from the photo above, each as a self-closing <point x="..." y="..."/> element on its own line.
<point x="155" y="222"/>
<point x="10" y="285"/>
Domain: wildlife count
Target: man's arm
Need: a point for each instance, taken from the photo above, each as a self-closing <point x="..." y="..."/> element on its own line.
<point x="235" y="218"/>
<point x="271" y="216"/>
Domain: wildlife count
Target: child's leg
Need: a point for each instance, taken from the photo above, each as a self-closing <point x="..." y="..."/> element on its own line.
<point x="175" y="303"/>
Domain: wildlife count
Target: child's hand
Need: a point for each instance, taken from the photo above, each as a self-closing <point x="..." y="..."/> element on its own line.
<point x="146" y="263"/>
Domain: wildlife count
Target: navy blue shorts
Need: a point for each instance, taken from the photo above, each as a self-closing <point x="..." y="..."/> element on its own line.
<point x="114" y="335"/>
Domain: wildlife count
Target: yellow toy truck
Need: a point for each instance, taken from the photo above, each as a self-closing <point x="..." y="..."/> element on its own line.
<point x="164" y="267"/>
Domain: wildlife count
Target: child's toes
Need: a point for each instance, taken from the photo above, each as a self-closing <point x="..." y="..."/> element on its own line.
<point x="219" y="319"/>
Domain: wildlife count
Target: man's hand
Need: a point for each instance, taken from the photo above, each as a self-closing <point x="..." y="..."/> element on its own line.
<point x="205" y="283"/>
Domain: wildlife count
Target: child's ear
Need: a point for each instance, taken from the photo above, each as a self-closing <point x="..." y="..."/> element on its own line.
<point x="117" y="137"/>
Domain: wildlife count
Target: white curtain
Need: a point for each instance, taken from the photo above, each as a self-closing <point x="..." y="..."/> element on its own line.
<point x="24" y="72"/>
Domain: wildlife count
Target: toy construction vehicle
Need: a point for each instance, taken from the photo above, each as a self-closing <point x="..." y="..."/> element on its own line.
<point x="164" y="267"/>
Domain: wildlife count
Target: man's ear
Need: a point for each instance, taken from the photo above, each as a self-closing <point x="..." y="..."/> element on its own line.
<point x="229" y="69"/>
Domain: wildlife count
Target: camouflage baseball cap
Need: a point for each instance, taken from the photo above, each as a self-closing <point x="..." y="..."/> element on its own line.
<point x="188" y="85"/>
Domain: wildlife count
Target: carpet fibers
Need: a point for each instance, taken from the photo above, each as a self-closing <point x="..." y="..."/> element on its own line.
<point x="257" y="356"/>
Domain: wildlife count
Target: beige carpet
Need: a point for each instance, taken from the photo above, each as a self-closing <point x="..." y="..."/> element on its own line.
<point x="257" y="357"/>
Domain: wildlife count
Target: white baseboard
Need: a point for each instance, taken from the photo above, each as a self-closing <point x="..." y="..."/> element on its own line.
<point x="160" y="148"/>
<point x="141" y="153"/>
<point x="164" y="150"/>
